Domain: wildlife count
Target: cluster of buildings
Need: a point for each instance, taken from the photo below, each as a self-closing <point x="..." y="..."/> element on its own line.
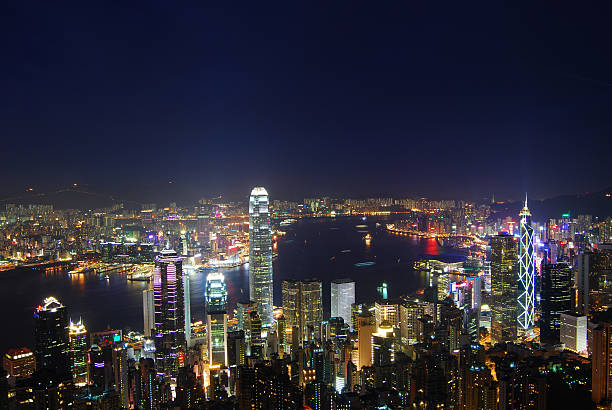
<point x="522" y="325"/>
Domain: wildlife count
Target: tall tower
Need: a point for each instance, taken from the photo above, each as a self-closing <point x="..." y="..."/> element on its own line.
<point x="169" y="312"/>
<point x="216" y="319"/>
<point x="77" y="337"/>
<point x="302" y="306"/>
<point x="556" y="298"/>
<point x="260" y="254"/>
<point x="503" y="288"/>
<point x="51" y="339"/>
<point x="526" y="282"/>
<point x="342" y="297"/>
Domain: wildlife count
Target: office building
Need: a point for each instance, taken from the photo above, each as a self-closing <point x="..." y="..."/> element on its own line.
<point x="19" y="363"/>
<point x="573" y="332"/>
<point x="260" y="254"/>
<point x="409" y="314"/>
<point x="504" y="278"/>
<point x="216" y="319"/>
<point x="51" y="346"/>
<point x="243" y="310"/>
<point x="601" y="380"/>
<point x="366" y="327"/>
<point x="556" y="298"/>
<point x="526" y="282"/>
<point x="169" y="312"/>
<point x="148" y="310"/>
<point x="187" y="304"/>
<point x="342" y="298"/>
<point x="302" y="307"/>
<point x="388" y="311"/>
<point x="77" y="339"/>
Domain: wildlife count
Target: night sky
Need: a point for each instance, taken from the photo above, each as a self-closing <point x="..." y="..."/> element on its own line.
<point x="341" y="98"/>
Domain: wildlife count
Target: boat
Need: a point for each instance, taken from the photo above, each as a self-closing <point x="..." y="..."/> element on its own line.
<point x="345" y="251"/>
<point x="367" y="239"/>
<point x="364" y="264"/>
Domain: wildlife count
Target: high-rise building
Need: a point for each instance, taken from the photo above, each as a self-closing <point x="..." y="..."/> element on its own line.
<point x="574" y="332"/>
<point x="556" y="298"/>
<point x="121" y="373"/>
<point x="51" y="346"/>
<point x="169" y="312"/>
<point x="187" y="302"/>
<point x="409" y="315"/>
<point x="366" y="327"/>
<point x="388" y="311"/>
<point x="19" y="363"/>
<point x="342" y="297"/>
<point x="601" y="380"/>
<point x="77" y="339"/>
<point x="526" y="282"/>
<point x="302" y="307"/>
<point x="260" y="254"/>
<point x="503" y="288"/>
<point x="243" y="310"/>
<point x="594" y="281"/>
<point x="216" y="319"/>
<point x="148" y="310"/>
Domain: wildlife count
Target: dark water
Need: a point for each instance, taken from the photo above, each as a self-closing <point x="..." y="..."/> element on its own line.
<point x="311" y="249"/>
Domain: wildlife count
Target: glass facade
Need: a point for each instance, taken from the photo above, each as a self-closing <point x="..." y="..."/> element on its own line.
<point x="77" y="336"/>
<point x="216" y="319"/>
<point x="526" y="282"/>
<point x="503" y="288"/>
<point x="260" y="254"/>
<point x="169" y="312"/>
<point x="342" y="298"/>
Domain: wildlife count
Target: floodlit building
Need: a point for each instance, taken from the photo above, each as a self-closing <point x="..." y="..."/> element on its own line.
<point x="503" y="288"/>
<point x="574" y="332"/>
<point x="77" y="339"/>
<point x="169" y="312"/>
<point x="216" y="319"/>
<point x="303" y="307"/>
<point x="526" y="278"/>
<point x="342" y="298"/>
<point x="260" y="254"/>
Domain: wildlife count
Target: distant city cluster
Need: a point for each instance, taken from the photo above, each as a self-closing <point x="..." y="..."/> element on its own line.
<point x="515" y="318"/>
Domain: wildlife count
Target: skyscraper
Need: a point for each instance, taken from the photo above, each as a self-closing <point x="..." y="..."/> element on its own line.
<point x="342" y="297"/>
<point x="302" y="306"/>
<point x="556" y="298"/>
<point x="526" y="283"/>
<point x="503" y="288"/>
<point x="601" y="379"/>
<point x="51" y="346"/>
<point x="148" y="310"/>
<point x="169" y="312"/>
<point x="260" y="254"/>
<point x="77" y="339"/>
<point x="216" y="319"/>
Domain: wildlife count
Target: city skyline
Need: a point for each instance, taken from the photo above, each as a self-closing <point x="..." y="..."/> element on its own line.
<point x="309" y="206"/>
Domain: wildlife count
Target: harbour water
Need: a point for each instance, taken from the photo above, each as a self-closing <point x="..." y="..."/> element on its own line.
<point x="325" y="249"/>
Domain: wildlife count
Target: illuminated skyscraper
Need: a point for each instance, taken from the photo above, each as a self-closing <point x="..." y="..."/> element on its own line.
<point x="260" y="254"/>
<point x="342" y="297"/>
<point x="169" y="312"/>
<point x="526" y="282"/>
<point x="148" y="310"/>
<point x="556" y="298"/>
<point x="503" y="288"/>
<point x="216" y="319"/>
<point x="51" y="346"/>
<point x="302" y="307"/>
<point x="77" y="338"/>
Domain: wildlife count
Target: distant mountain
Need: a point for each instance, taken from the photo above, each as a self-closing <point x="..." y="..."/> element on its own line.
<point x="68" y="198"/>
<point x="591" y="203"/>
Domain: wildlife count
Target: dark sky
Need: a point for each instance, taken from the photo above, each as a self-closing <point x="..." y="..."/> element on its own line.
<point x="412" y="97"/>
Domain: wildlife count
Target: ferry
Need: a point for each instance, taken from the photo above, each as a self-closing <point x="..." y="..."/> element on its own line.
<point x="367" y="239"/>
<point x="364" y="264"/>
